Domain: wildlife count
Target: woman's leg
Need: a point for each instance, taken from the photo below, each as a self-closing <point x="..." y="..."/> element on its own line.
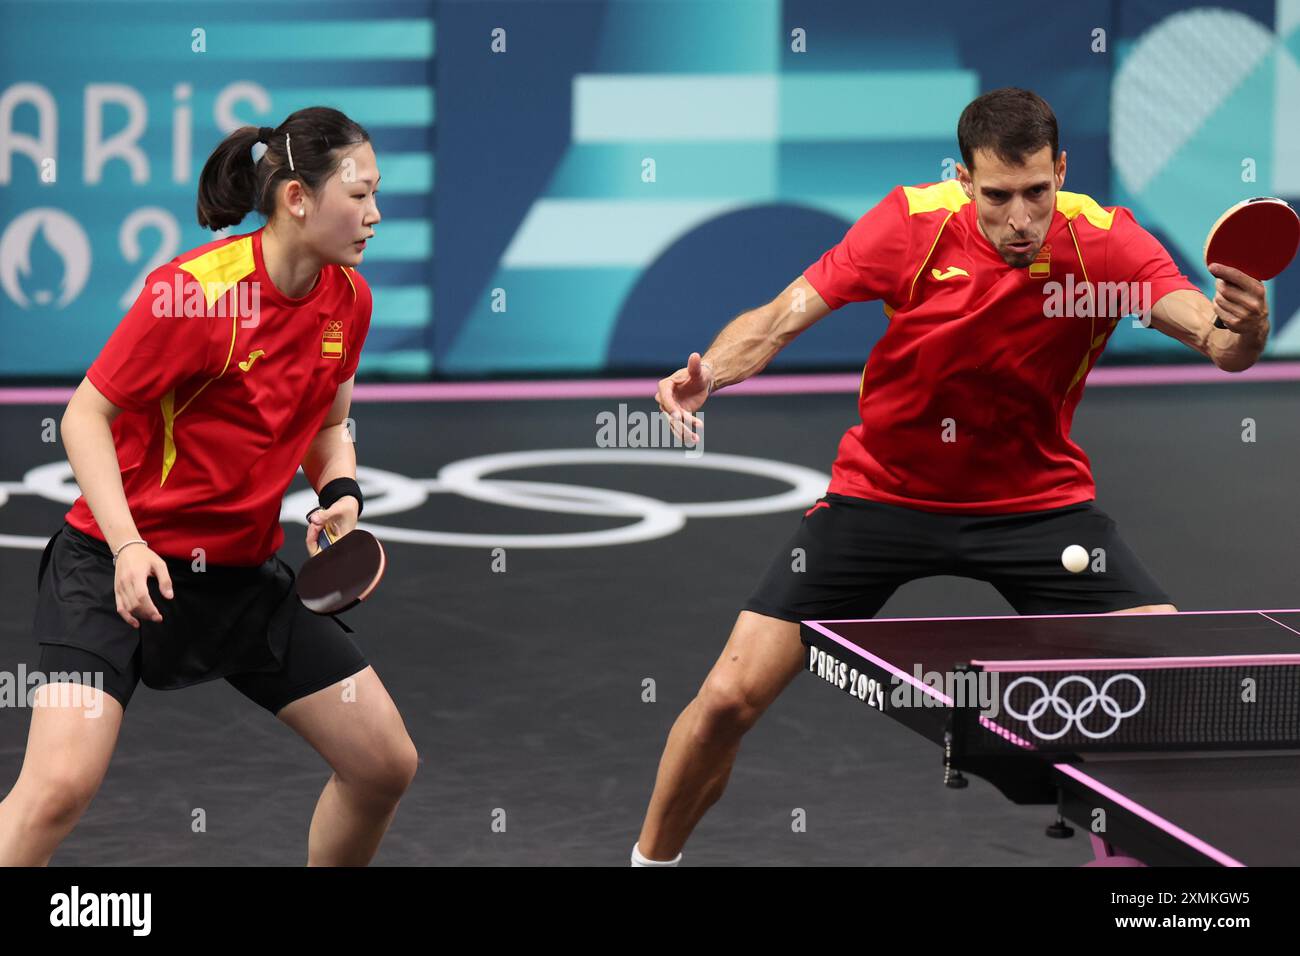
<point x="69" y="745"/>
<point x="356" y="727"/>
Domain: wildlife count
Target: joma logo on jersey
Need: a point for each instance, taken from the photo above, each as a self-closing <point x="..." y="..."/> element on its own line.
<point x="949" y="273"/>
<point x="331" y="343"/>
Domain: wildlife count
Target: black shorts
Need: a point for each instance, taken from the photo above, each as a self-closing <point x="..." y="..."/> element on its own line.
<point x="245" y="624"/>
<point x="849" y="555"/>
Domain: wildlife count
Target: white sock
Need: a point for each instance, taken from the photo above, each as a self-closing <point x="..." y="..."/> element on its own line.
<point x="639" y="860"/>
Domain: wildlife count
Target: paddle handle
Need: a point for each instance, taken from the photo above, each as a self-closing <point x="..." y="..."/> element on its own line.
<point x="1218" y="323"/>
<point x="324" y="540"/>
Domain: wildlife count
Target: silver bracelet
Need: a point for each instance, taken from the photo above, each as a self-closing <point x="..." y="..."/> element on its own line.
<point x="127" y="545"/>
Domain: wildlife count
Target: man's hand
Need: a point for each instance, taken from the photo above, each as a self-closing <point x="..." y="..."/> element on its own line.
<point x="338" y="520"/>
<point x="1240" y="301"/>
<point x="682" y="394"/>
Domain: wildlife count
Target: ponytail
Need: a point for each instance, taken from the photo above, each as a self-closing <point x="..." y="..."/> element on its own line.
<point x="228" y="183"/>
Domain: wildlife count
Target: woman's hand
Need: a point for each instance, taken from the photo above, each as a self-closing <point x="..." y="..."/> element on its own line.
<point x="135" y="563"/>
<point x="338" y="520"/>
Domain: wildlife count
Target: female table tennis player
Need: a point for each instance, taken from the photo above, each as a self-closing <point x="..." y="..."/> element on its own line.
<point x="234" y="367"/>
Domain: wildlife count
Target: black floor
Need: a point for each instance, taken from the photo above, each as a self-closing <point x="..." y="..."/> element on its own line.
<point x="523" y="689"/>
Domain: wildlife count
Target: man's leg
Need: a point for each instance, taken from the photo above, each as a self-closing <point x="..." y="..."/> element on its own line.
<point x="762" y="656"/>
<point x="845" y="559"/>
<point x="1148" y="609"/>
<point x="361" y="735"/>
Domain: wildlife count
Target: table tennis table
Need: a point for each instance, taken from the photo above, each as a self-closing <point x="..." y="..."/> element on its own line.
<point x="1172" y="739"/>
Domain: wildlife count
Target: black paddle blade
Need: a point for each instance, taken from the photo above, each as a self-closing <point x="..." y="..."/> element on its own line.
<point x="342" y="574"/>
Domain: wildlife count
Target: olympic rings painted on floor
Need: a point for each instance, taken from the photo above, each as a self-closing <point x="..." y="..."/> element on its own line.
<point x="390" y="493"/>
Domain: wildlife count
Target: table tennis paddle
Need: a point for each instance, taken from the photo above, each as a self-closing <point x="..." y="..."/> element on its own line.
<point x="1258" y="236"/>
<point x="343" y="573"/>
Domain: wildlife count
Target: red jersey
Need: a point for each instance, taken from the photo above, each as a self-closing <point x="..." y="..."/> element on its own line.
<point x="223" y="381"/>
<point x="967" y="399"/>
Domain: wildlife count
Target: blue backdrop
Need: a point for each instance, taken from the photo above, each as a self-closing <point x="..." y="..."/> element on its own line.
<point x="614" y="180"/>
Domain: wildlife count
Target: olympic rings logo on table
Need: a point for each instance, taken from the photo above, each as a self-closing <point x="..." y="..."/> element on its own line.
<point x="1074" y="714"/>
<point x="389" y="493"/>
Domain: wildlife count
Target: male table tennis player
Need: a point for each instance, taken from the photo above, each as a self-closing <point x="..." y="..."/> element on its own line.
<point x="209" y="412"/>
<point x="962" y="463"/>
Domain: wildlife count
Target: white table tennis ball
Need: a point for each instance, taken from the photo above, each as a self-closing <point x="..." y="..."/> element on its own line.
<point x="1074" y="558"/>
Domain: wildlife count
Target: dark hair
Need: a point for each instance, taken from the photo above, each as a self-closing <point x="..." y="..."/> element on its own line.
<point x="232" y="185"/>
<point x="1011" y="123"/>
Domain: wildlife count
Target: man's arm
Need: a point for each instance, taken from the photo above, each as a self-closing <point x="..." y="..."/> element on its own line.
<point x="332" y="453"/>
<point x="1188" y="316"/>
<point x="751" y="340"/>
<point x="743" y="348"/>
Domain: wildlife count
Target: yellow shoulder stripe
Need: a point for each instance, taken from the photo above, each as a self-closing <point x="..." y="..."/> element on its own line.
<point x="945" y="195"/>
<point x="221" y="268"/>
<point x="1074" y="205"/>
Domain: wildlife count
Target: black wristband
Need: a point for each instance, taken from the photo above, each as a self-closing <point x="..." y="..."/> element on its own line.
<point x="341" y="488"/>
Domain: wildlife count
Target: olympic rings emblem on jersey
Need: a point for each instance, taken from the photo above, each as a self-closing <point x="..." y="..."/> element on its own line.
<point x="1074" y="714"/>
<point x="390" y="493"/>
